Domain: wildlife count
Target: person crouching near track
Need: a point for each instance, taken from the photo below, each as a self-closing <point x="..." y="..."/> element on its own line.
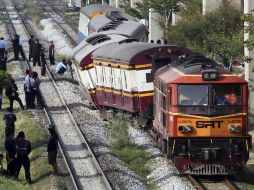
<point x="61" y="67"/>
<point x="52" y="148"/>
<point x="12" y="93"/>
<point x="23" y="150"/>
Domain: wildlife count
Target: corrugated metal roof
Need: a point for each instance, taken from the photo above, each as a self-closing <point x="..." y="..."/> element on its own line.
<point x="122" y="52"/>
<point x="85" y="48"/>
<point x="107" y="19"/>
<point x="126" y="28"/>
<point x="92" y="8"/>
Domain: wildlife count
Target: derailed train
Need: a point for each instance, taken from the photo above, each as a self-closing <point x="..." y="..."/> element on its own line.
<point x="196" y="109"/>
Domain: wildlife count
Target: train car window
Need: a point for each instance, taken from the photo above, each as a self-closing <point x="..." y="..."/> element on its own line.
<point x="193" y="95"/>
<point x="225" y="94"/>
<point x="163" y="119"/>
<point x="163" y="102"/>
<point x="125" y="80"/>
<point x="170" y="96"/>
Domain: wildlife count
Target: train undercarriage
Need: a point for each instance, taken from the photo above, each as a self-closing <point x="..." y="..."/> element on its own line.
<point x="206" y="156"/>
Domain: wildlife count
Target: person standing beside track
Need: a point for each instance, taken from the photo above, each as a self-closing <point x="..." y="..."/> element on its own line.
<point x="31" y="45"/>
<point x="29" y="90"/>
<point x="21" y="50"/>
<point x="23" y="147"/>
<point x="12" y="93"/>
<point x="52" y="53"/>
<point x="3" y="61"/>
<point x="2" y="46"/>
<point x="15" y="42"/>
<point x="10" y="119"/>
<point x="10" y="148"/>
<point x="36" y="89"/>
<point x="52" y="148"/>
<point x="36" y="53"/>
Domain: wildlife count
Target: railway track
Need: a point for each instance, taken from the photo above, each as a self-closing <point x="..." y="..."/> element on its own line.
<point x="67" y="29"/>
<point x="84" y="168"/>
<point x="205" y="183"/>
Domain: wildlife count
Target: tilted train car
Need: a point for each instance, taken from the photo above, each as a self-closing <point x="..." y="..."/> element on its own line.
<point x="87" y="13"/>
<point x="116" y="23"/>
<point x="200" y="116"/>
<point x="122" y="75"/>
<point x="84" y="66"/>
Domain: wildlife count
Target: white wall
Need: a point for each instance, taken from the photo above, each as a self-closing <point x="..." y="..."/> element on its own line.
<point x="155" y="31"/>
<point x="249" y="75"/>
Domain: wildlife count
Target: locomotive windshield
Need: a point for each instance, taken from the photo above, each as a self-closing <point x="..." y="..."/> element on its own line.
<point x="193" y="95"/>
<point x="210" y="99"/>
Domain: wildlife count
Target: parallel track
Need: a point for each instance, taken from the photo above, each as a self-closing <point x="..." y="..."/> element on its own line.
<point x="208" y="183"/>
<point x="52" y="13"/>
<point x="69" y="121"/>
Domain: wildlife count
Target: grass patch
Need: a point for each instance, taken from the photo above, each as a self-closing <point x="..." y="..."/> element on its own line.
<point x="133" y="155"/>
<point x="40" y="169"/>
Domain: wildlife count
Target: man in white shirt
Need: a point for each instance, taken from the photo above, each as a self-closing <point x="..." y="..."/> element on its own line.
<point x="28" y="90"/>
<point x="61" y="67"/>
<point x="2" y="46"/>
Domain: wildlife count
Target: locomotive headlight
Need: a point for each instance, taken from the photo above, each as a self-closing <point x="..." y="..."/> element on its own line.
<point x="235" y="128"/>
<point x="184" y="128"/>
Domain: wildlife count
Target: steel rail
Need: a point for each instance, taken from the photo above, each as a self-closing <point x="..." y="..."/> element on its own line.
<point x="45" y="109"/>
<point x="78" y="130"/>
<point x="74" y="43"/>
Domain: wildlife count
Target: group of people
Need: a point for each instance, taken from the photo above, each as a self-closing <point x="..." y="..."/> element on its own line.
<point x="18" y="149"/>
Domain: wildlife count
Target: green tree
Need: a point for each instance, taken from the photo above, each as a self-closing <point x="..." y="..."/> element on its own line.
<point x="141" y="10"/>
<point x="166" y="8"/>
<point x="218" y="34"/>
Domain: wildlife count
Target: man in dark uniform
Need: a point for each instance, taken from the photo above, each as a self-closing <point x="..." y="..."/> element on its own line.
<point x="52" y="148"/>
<point x="43" y="62"/>
<point x="12" y="93"/>
<point x="1" y="97"/>
<point x="31" y="44"/>
<point x="23" y="147"/>
<point x="36" y="53"/>
<point x="10" y="147"/>
<point x="10" y="119"/>
<point x="52" y="53"/>
<point x="3" y="60"/>
<point x="16" y="48"/>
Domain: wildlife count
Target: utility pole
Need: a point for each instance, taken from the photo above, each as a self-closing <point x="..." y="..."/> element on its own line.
<point x="249" y="68"/>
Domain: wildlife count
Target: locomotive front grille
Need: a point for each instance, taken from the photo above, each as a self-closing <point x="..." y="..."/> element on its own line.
<point x="208" y="169"/>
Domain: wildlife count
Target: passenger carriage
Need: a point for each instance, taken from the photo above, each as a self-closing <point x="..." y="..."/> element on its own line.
<point x="123" y="72"/>
<point x="84" y="66"/>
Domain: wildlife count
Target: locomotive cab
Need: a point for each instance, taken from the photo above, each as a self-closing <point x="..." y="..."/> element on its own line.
<point x="200" y="112"/>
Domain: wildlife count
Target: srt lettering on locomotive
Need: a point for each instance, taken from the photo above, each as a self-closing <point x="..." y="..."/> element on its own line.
<point x="208" y="124"/>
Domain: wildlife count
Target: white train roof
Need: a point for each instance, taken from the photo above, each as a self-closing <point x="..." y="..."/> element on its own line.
<point x="91" y="43"/>
<point x="109" y="18"/>
<point x="122" y="52"/>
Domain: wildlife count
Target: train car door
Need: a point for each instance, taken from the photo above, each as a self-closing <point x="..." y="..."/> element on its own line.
<point x="104" y="83"/>
<point x="113" y="87"/>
